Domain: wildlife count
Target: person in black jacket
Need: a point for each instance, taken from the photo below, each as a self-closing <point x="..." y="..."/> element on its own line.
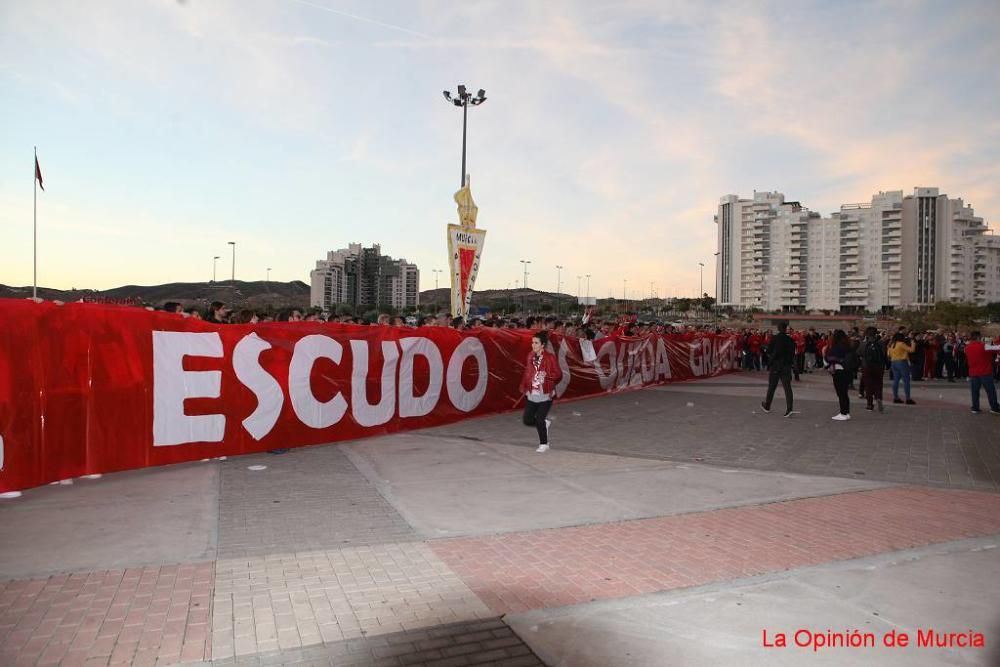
<point x="873" y="361"/>
<point x="836" y="359"/>
<point x="782" y="356"/>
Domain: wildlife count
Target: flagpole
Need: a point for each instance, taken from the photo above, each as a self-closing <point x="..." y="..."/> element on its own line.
<point x="34" y="245"/>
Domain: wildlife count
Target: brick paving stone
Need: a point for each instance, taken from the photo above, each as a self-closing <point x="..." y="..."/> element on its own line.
<point x="70" y="619"/>
<point x="290" y="508"/>
<point x="550" y="568"/>
<point x="333" y="595"/>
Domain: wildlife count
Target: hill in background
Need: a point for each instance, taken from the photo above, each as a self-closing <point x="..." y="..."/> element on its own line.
<point x="259" y="294"/>
<point x="295" y="294"/>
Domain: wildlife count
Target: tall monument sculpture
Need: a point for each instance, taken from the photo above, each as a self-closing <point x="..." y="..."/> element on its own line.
<point x="465" y="250"/>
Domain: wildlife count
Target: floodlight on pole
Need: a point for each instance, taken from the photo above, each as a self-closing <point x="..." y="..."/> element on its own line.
<point x="436" y="272"/>
<point x="463" y="99"/>
<point x="215" y="263"/>
<point x="233" y="243"/>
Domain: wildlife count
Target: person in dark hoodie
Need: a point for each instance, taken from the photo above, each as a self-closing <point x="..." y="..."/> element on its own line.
<point x="836" y="359"/>
<point x="782" y="359"/>
<point x="873" y="361"/>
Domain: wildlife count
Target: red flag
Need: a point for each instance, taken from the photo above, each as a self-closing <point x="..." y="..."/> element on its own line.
<point x="38" y="174"/>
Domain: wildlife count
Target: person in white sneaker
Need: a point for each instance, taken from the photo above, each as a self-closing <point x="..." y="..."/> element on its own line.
<point x="538" y="384"/>
<point x="836" y="358"/>
<point x="781" y="353"/>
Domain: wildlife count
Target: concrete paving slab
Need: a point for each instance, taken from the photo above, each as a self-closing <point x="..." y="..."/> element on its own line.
<point x="724" y="624"/>
<point x="128" y="519"/>
<point x="935" y="442"/>
<point x="308" y="499"/>
<point x="459" y="487"/>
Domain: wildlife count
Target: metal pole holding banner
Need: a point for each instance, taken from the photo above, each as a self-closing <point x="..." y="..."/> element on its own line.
<point x="34" y="230"/>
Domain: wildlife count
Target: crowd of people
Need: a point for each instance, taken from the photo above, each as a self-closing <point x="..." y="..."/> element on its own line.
<point x="541" y="370"/>
<point x="584" y="326"/>
<point x="858" y="361"/>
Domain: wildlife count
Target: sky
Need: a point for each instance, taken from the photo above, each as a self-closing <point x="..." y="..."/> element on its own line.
<point x="166" y="129"/>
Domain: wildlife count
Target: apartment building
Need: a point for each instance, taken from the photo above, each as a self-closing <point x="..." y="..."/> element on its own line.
<point x="363" y="277"/>
<point x="894" y="251"/>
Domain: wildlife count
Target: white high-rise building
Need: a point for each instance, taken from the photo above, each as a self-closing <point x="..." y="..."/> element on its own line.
<point x="896" y="251"/>
<point x="364" y="277"/>
<point x="328" y="281"/>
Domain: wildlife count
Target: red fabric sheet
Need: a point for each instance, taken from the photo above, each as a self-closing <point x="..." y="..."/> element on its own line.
<point x="85" y="389"/>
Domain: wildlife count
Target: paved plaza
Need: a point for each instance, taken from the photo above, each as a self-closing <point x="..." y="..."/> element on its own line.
<point x="677" y="525"/>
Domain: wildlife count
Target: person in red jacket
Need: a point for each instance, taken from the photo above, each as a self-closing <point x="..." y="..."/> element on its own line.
<point x="756" y="341"/>
<point x="538" y="384"/>
<point x="980" y="360"/>
<point x="800" y="353"/>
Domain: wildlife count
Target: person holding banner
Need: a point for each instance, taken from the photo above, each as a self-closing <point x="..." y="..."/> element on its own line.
<point x="538" y="384"/>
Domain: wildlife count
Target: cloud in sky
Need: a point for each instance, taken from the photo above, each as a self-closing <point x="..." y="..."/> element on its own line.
<point x="294" y="127"/>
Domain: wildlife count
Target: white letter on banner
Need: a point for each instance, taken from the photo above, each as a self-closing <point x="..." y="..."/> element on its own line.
<point x="696" y="365"/>
<point x="172" y="384"/>
<point x="564" y="367"/>
<point x="648" y="361"/>
<point x="270" y="398"/>
<point x="310" y="411"/>
<point x="635" y="375"/>
<point x="409" y="404"/>
<point x="607" y="381"/>
<point x="467" y="401"/>
<point x="707" y="356"/>
<point x="662" y="360"/>
<point x="364" y="412"/>
<point x="625" y="365"/>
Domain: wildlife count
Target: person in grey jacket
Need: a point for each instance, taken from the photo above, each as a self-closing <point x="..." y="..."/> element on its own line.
<point x="782" y="357"/>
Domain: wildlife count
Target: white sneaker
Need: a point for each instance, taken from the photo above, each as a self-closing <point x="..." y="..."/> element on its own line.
<point x="542" y="449"/>
<point x="841" y="418"/>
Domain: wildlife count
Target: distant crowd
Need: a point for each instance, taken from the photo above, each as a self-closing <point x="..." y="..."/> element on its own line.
<point x="935" y="355"/>
<point x="858" y="361"/>
<point x="584" y="326"/>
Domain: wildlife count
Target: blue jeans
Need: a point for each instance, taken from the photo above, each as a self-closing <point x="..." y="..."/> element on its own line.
<point x="900" y="371"/>
<point x="986" y="381"/>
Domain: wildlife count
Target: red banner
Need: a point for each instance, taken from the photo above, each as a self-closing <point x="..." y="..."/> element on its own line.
<point x="87" y="388"/>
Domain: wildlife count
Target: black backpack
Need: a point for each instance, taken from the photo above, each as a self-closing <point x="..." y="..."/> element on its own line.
<point x="873" y="354"/>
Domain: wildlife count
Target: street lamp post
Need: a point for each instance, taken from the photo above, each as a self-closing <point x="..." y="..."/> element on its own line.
<point x="268" y="274"/>
<point x="464" y="99"/>
<point x="701" y="279"/>
<point x="215" y="263"/>
<point x="715" y="306"/>
<point x="436" y="272"/>
<point x="559" y="269"/>
<point x="588" y="285"/>
<point x="233" y="243"/>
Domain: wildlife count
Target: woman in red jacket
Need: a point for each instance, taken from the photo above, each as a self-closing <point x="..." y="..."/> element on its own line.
<point x="538" y="384"/>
